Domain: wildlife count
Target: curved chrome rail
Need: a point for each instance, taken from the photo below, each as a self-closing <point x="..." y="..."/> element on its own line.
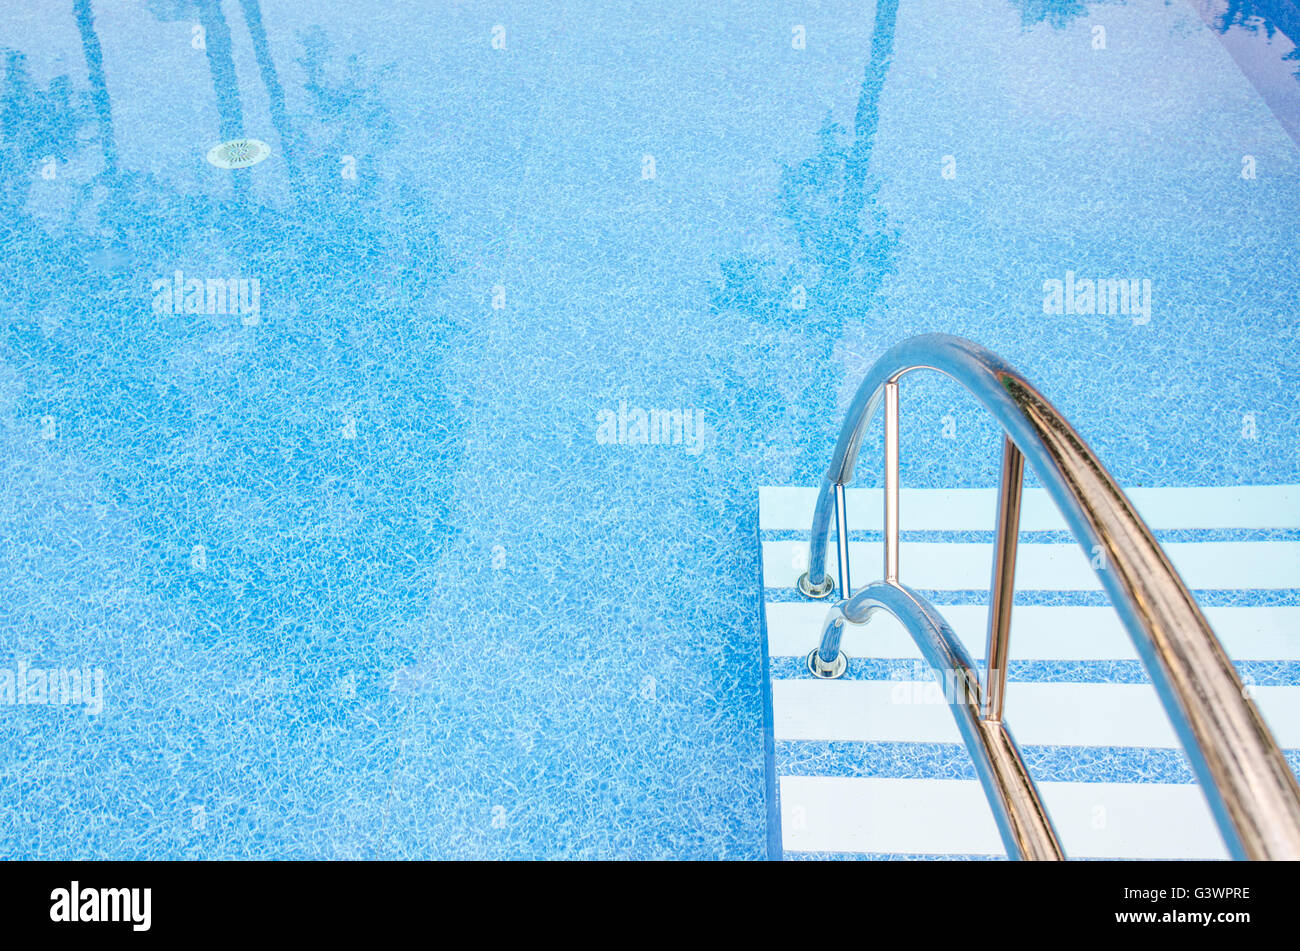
<point x="1023" y="822"/>
<point x="1252" y="793"/>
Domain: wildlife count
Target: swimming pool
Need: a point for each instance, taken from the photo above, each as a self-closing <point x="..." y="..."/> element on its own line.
<point x="369" y="555"/>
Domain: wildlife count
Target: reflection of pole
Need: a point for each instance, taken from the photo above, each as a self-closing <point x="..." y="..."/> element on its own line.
<point x="216" y="42"/>
<point x="868" y="115"/>
<point x="94" y="54"/>
<point x="274" y="91"/>
<point x="225" y="85"/>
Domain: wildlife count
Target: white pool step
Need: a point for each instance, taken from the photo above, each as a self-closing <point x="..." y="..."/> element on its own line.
<point x="1042" y="632"/>
<point x="864" y="766"/>
<point x="964" y="566"/>
<point x="951" y="817"/>
<point x="1046" y="714"/>
<point x="960" y="510"/>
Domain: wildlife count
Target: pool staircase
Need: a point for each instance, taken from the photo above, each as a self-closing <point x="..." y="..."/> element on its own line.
<point x="885" y="752"/>
<point x="871" y="764"/>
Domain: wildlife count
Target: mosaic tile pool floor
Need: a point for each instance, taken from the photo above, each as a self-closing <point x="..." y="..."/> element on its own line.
<point x="365" y="567"/>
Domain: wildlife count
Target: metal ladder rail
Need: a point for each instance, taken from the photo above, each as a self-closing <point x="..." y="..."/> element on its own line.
<point x="1252" y="793"/>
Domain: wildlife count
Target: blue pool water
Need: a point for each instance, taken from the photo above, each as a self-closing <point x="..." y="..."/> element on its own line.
<point x="363" y="574"/>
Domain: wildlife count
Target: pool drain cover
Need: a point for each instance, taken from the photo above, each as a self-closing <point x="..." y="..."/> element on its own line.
<point x="238" y="153"/>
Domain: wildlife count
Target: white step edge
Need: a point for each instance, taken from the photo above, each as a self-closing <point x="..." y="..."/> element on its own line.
<point x="1039" y="714"/>
<point x="1197" y="507"/>
<point x="951" y="817"/>
<point x="962" y="566"/>
<point x="1038" y="632"/>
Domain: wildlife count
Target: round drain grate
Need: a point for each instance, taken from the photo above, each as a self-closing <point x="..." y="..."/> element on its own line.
<point x="238" y="153"/>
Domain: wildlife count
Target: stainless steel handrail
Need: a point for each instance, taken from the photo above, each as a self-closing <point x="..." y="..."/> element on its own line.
<point x="1022" y="821"/>
<point x="1252" y="792"/>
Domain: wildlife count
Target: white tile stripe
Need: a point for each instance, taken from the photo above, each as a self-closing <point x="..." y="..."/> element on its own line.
<point x="1047" y="567"/>
<point x="1039" y="714"/>
<point x="1255" y="506"/>
<point x="950" y="817"/>
<point x="1037" y="632"/>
